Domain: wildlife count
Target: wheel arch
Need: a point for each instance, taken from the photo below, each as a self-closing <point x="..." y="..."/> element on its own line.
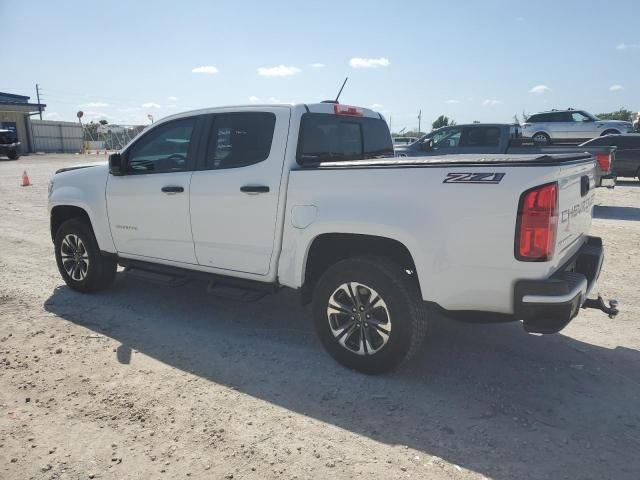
<point x="328" y="248"/>
<point x="610" y="131"/>
<point x="62" y="213"/>
<point x="541" y="132"/>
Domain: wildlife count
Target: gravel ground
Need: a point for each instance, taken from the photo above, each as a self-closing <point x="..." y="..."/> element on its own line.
<point x="152" y="381"/>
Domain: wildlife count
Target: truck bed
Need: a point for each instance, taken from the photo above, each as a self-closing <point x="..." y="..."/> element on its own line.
<point x="462" y="159"/>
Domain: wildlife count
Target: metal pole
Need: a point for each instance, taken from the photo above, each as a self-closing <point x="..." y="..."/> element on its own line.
<point x="82" y="128"/>
<point x="419" y="120"/>
<point x="38" y="95"/>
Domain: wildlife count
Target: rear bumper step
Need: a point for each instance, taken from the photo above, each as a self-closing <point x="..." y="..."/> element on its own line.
<point x="547" y="306"/>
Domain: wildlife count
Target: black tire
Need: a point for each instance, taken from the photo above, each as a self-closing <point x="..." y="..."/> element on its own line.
<point x="100" y="269"/>
<point x="405" y="314"/>
<point x="13" y="154"/>
<point x="610" y="132"/>
<point x="541" y="138"/>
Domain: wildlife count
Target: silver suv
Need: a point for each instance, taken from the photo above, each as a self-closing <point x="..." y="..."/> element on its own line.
<point x="570" y="126"/>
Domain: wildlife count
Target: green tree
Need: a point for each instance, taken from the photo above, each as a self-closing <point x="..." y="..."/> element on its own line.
<point x="621" y="114"/>
<point x="442" y="121"/>
<point x="91" y="130"/>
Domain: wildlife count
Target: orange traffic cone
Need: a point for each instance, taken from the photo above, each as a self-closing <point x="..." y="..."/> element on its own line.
<point x="25" y="180"/>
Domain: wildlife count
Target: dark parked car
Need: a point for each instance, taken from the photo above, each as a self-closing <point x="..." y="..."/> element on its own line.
<point x="9" y="144"/>
<point x="500" y="139"/>
<point x="627" y="162"/>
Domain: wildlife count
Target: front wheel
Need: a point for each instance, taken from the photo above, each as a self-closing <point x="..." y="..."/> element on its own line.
<point x="82" y="266"/>
<point x="368" y="314"/>
<point x="13" y="154"/>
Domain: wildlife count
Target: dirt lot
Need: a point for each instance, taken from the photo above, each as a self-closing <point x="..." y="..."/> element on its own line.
<point x="149" y="381"/>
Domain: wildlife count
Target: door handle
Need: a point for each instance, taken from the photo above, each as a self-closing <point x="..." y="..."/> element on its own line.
<point x="171" y="189"/>
<point x="254" y="189"/>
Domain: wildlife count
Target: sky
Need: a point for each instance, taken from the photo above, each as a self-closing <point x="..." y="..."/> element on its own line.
<point x="470" y="60"/>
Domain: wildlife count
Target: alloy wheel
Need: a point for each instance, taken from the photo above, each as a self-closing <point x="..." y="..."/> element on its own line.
<point x="359" y="318"/>
<point x="74" y="256"/>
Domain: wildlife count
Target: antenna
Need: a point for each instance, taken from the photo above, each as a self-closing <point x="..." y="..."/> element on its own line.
<point x="343" y="84"/>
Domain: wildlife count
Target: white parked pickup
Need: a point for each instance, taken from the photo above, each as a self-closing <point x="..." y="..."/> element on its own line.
<point x="310" y="197"/>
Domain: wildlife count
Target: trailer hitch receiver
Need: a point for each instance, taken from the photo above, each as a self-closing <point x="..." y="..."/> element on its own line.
<point x="598" y="304"/>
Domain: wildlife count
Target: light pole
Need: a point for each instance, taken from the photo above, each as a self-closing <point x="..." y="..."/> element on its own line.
<point x="80" y="114"/>
<point x="150" y="117"/>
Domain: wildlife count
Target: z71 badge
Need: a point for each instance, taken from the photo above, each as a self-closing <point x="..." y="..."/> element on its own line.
<point x="488" y="177"/>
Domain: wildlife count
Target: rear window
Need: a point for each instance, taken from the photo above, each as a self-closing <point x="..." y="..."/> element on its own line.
<point x="549" y="117"/>
<point x="333" y="138"/>
<point x="623" y="142"/>
<point x="599" y="142"/>
<point x="480" y="137"/>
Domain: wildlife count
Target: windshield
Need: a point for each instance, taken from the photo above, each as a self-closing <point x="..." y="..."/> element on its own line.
<point x="592" y="117"/>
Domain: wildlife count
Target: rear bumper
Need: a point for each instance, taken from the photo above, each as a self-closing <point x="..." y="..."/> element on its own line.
<point x="547" y="306"/>
<point x="608" y="181"/>
<point x="8" y="147"/>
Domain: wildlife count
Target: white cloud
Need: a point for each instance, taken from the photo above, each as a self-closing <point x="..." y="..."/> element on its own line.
<point x="616" y="88"/>
<point x="490" y="102"/>
<point x="95" y="116"/>
<point x="150" y="105"/>
<point x="254" y="99"/>
<point x="628" y="46"/>
<point x="369" y="62"/>
<point x="318" y="65"/>
<point x="278" y="71"/>
<point x="540" y="89"/>
<point x="453" y="102"/>
<point x="172" y="98"/>
<point x="52" y="116"/>
<point x="94" y="105"/>
<point x="208" y="69"/>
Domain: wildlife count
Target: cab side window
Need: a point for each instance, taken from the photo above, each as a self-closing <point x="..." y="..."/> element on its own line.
<point x="239" y="139"/>
<point x="165" y="148"/>
<point x="447" y="138"/>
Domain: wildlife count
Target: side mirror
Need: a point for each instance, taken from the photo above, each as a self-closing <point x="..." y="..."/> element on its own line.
<point x="116" y="164"/>
<point x="426" y="146"/>
<point x="587" y="120"/>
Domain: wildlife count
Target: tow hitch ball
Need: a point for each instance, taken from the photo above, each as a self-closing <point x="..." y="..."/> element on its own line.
<point x="598" y="303"/>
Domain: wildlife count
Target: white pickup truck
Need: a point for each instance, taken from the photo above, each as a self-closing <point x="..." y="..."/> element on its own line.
<point x="310" y="197"/>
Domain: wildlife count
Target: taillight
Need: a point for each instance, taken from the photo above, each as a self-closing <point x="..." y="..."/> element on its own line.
<point x="604" y="160"/>
<point x="347" y="110"/>
<point x="537" y="224"/>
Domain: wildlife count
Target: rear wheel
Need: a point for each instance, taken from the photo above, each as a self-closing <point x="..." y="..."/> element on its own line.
<point x="368" y="314"/>
<point x="82" y="266"/>
<point x="541" y="138"/>
<point x="13" y="154"/>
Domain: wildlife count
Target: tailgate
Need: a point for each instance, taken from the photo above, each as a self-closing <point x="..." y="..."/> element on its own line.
<point x="576" y="188"/>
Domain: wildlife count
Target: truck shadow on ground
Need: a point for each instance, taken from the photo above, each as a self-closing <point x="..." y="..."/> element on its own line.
<point x="629" y="182"/>
<point x="616" y="213"/>
<point x="489" y="398"/>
